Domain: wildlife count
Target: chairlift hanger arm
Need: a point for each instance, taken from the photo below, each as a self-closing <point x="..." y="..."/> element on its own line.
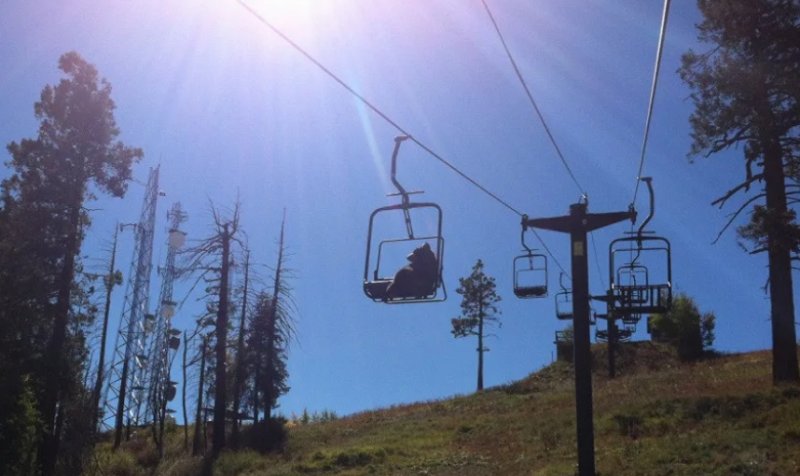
<point x="522" y="235"/>
<point x="402" y="191"/>
<point x="649" y="182"/>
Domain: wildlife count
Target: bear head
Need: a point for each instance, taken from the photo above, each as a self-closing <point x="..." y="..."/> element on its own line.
<point x="422" y="256"/>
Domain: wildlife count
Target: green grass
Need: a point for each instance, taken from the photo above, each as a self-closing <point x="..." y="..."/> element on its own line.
<point x="719" y="416"/>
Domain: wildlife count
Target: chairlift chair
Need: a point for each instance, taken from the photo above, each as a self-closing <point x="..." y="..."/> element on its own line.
<point x="564" y="307"/>
<point x="377" y="279"/>
<point x="648" y="293"/>
<point x="640" y="270"/>
<point x="631" y="319"/>
<point x="623" y="334"/>
<point x="633" y="280"/>
<point x="530" y="271"/>
<point x="626" y="333"/>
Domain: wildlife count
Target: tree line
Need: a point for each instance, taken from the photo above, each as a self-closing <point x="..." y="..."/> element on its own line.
<point x="745" y="94"/>
<point x="743" y="85"/>
<point x="50" y="406"/>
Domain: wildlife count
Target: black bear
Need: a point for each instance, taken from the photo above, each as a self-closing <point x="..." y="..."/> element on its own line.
<point x="418" y="279"/>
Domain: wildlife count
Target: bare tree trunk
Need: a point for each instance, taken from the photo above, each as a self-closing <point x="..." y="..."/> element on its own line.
<point x="199" y="421"/>
<point x="183" y="395"/>
<point x="784" y="340"/>
<point x="256" y="387"/>
<point x="480" y="350"/>
<point x="54" y="363"/>
<point x="238" y="384"/>
<point x="218" y="441"/>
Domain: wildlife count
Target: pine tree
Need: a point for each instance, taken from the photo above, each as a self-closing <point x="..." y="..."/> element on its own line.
<point x="744" y="88"/>
<point x="478" y="310"/>
<point x="75" y="153"/>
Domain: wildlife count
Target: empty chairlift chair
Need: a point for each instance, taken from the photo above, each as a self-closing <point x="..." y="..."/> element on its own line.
<point x="640" y="271"/>
<point x="564" y="307"/>
<point x="530" y="271"/>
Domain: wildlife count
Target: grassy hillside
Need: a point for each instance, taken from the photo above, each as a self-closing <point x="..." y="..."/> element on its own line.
<point x="718" y="416"/>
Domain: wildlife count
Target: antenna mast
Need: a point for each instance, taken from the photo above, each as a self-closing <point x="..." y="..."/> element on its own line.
<point x="125" y="392"/>
<point x="165" y="338"/>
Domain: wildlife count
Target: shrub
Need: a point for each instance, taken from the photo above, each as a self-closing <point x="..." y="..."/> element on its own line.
<point x="683" y="327"/>
<point x="266" y="436"/>
<point x="117" y="463"/>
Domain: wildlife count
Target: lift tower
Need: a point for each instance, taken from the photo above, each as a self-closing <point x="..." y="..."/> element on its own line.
<point x="125" y="391"/>
<point x="577" y="224"/>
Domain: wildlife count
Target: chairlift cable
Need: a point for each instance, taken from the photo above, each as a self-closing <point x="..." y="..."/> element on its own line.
<point x="541" y="119"/>
<point x="391" y="122"/>
<point x="531" y="100"/>
<point x="375" y="109"/>
<point x="547" y="250"/>
<point x="597" y="261"/>
<point x="653" y="88"/>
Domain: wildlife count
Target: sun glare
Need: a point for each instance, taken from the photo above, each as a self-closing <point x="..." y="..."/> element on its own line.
<point x="289" y="10"/>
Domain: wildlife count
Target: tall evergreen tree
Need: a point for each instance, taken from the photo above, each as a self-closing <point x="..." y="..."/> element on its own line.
<point x="75" y="155"/>
<point x="746" y="96"/>
<point x="478" y="310"/>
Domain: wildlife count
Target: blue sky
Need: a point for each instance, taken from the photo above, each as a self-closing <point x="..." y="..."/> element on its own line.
<point x="227" y="107"/>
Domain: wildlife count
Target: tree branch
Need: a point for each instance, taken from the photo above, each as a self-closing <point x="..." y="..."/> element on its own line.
<point x="720" y="202"/>
<point x="726" y="141"/>
<point x="734" y="215"/>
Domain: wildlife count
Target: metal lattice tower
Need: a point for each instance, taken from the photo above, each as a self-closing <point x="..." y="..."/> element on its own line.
<point x="165" y="338"/>
<point x="125" y="391"/>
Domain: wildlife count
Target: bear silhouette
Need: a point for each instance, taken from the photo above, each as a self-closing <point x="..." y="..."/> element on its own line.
<point x="418" y="279"/>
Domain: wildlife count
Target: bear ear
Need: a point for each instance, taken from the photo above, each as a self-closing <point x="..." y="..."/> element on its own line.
<point x="426" y="246"/>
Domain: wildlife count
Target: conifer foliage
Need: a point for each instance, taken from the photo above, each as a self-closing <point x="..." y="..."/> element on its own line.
<point x="250" y="370"/>
<point x="744" y="88"/>
<point x="271" y="331"/>
<point x="478" y="310"/>
<point x="75" y="155"/>
<point x="685" y="328"/>
<point x="212" y="257"/>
